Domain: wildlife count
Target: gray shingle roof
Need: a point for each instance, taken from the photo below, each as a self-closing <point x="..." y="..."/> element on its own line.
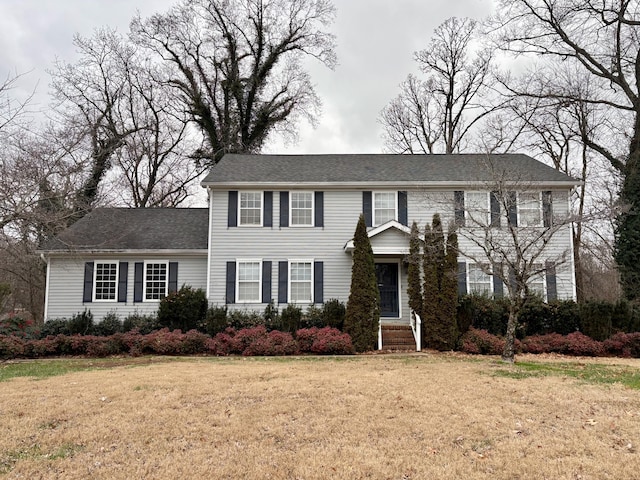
<point x="384" y="168"/>
<point x="135" y="229"/>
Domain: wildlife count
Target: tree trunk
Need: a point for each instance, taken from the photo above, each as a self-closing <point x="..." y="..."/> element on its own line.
<point x="508" y="353"/>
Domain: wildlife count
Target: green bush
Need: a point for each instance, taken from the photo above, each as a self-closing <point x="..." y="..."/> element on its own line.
<point x="482" y="313"/>
<point x="271" y="316"/>
<point x="109" y="325"/>
<point x="183" y="310"/>
<point x="216" y="320"/>
<point x="144" y="324"/>
<point x="290" y="318"/>
<point x="334" y="312"/>
<point x="239" y="319"/>
<point x="81" y="323"/>
<point x="313" y="317"/>
<point x="55" y="326"/>
<point x="596" y="319"/>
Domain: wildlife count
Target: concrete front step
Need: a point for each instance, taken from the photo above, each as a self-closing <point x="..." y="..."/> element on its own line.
<point x="398" y="337"/>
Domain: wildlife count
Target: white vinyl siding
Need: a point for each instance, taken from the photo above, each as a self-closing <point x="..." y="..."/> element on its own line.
<point x="250" y="209"/>
<point x="476" y="207"/>
<point x="478" y="280"/>
<point x="529" y="209"/>
<point x="155" y="280"/>
<point x="249" y="279"/>
<point x="385" y="207"/>
<point x="301" y="281"/>
<point x="301" y="209"/>
<point x="537" y="283"/>
<point x="105" y="282"/>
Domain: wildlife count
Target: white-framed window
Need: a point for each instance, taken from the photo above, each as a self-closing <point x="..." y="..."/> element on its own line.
<point x="537" y="284"/>
<point x="477" y="208"/>
<point x="301" y="281"/>
<point x="248" y="280"/>
<point x="250" y="211"/>
<point x="105" y="281"/>
<point x="530" y="209"/>
<point x="156" y="280"/>
<point x="385" y="207"/>
<point x="301" y="209"/>
<point x="478" y="280"/>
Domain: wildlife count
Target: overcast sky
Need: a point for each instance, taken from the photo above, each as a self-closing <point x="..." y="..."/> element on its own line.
<point x="376" y="40"/>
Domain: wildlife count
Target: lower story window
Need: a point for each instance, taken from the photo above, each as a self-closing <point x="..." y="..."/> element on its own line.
<point x="536" y="283"/>
<point x="479" y="280"/>
<point x="106" y="281"/>
<point x="249" y="281"/>
<point x="155" y="281"/>
<point x="300" y="281"/>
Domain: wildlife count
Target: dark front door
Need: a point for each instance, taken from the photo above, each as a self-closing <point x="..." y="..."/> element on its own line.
<point x="387" y="277"/>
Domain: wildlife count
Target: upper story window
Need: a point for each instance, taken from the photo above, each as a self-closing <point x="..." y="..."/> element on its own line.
<point x="529" y="209"/>
<point x="301" y="204"/>
<point x="479" y="281"/>
<point x="105" y="281"/>
<point x="249" y="278"/>
<point x="300" y="281"/>
<point x="250" y="211"/>
<point x="155" y="280"/>
<point x="476" y="206"/>
<point x="385" y="207"/>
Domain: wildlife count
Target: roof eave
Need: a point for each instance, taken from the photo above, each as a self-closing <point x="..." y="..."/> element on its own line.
<point x="387" y="184"/>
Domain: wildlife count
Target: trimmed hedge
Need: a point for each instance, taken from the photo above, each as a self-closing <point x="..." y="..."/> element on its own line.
<point x="251" y="341"/>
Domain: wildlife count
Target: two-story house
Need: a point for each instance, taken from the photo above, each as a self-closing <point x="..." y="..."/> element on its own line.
<point x="280" y="227"/>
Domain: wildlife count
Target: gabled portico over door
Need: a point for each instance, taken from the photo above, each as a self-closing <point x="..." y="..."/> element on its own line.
<point x="387" y="278"/>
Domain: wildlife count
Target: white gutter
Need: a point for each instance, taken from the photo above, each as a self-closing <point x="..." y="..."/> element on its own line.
<point x="46" y="287"/>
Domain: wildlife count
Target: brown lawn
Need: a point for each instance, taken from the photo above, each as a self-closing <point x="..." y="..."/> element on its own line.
<point x="379" y="417"/>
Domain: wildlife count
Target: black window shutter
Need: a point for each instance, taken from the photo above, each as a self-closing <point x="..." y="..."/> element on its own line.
<point x="230" y="293"/>
<point x="87" y="292"/>
<point x="513" y="208"/>
<point x="494" y="201"/>
<point x="173" y="277"/>
<point x="283" y="281"/>
<point x="232" y="216"/>
<point x="284" y="209"/>
<point x="462" y="278"/>
<point x="367" y="208"/>
<point x="138" y="281"/>
<point x="552" y="286"/>
<point x="458" y="200"/>
<point x="318" y="282"/>
<point x="319" y="209"/>
<point x="402" y="208"/>
<point x="547" y="209"/>
<point x="513" y="281"/>
<point x="266" y="282"/>
<point x="498" y="286"/>
<point x="268" y="209"/>
<point x="123" y="272"/>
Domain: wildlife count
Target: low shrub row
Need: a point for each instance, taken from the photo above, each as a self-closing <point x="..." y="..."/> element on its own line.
<point x="619" y="345"/>
<point x="252" y="341"/>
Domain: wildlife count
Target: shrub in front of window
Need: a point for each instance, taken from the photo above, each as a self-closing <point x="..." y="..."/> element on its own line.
<point x="81" y="323"/>
<point x="216" y="320"/>
<point x="239" y="319"/>
<point x="143" y="324"/>
<point x="334" y="312"/>
<point x="270" y="315"/>
<point x="183" y="310"/>
<point x="290" y="318"/>
<point x="109" y="325"/>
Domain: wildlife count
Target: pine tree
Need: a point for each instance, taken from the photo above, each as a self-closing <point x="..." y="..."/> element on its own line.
<point x="363" y="308"/>
<point x="414" y="281"/>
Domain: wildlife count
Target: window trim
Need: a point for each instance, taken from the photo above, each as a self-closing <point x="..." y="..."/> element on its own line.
<point x="470" y="291"/>
<point x="237" y="295"/>
<point x="144" y="280"/>
<point x="95" y="283"/>
<point x="310" y="261"/>
<point x="313" y="209"/>
<point x="245" y="225"/>
<point x="540" y="208"/>
<point x="374" y="221"/>
<point x="467" y="214"/>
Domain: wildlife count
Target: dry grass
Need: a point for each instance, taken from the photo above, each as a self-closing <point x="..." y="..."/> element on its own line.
<point x="379" y="417"/>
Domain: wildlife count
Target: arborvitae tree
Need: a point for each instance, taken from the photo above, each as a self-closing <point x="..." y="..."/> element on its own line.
<point x="449" y="295"/>
<point x="438" y="248"/>
<point x="430" y="288"/>
<point x="363" y="308"/>
<point x="414" y="280"/>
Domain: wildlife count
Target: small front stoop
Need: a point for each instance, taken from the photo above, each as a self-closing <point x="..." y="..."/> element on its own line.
<point x="398" y="337"/>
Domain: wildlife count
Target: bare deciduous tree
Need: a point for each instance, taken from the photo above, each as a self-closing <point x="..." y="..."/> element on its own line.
<point x="437" y="114"/>
<point x="237" y="65"/>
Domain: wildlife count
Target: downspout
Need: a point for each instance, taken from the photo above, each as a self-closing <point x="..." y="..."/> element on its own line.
<point x="210" y="192"/>
<point x="46" y="288"/>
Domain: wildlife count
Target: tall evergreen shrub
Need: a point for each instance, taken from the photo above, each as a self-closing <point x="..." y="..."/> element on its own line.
<point x="363" y="308"/>
<point x="414" y="280"/>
